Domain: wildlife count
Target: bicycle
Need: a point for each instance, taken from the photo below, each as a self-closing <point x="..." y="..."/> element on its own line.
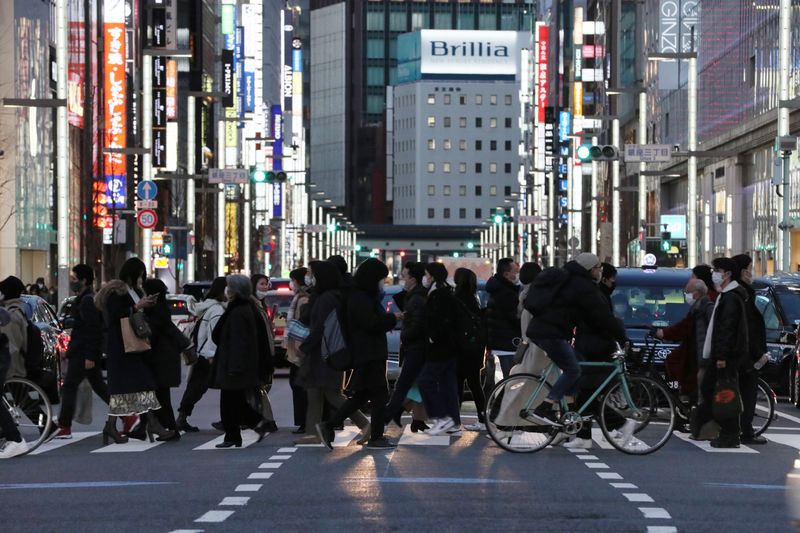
<point x="30" y="408"/>
<point x="765" y="397"/>
<point x="636" y="413"/>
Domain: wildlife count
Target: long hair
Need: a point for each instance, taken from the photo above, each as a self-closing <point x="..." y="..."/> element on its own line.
<point x="466" y="281"/>
<point x="217" y="289"/>
<point x="133" y="270"/>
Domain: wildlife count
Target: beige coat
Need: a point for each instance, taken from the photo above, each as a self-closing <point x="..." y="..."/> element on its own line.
<point x="17" y="332"/>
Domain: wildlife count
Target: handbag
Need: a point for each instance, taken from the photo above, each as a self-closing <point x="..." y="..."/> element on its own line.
<point x="297" y="330"/>
<point x="140" y="326"/>
<point x="132" y="342"/>
<point x="727" y="400"/>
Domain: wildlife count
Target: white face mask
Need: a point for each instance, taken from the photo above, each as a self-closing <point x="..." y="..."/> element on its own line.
<point x="310" y="280"/>
<point x="401" y="284"/>
<point x="293" y="286"/>
<point x="261" y="294"/>
<point x="717" y="278"/>
<point x="427" y="282"/>
<point x="689" y="297"/>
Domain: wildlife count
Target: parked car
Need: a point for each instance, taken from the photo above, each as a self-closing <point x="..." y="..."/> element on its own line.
<point x="54" y="338"/>
<point x="64" y="313"/>
<point x="182" y="309"/>
<point x="279" y="301"/>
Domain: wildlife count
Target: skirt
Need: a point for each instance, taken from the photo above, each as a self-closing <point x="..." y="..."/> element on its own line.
<point x="134" y="403"/>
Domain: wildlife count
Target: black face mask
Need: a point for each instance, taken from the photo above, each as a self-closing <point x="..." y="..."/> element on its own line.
<point x="608" y="289"/>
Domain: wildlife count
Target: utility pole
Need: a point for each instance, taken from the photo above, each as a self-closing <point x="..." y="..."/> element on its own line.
<point x="62" y="152"/>
<point x="784" y="40"/>
<point x="691" y="165"/>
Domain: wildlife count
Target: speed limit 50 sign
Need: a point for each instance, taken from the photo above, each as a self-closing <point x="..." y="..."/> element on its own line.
<point x="147" y="219"/>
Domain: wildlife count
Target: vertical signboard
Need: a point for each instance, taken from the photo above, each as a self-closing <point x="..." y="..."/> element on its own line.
<point x="172" y="89"/>
<point x="543" y="51"/>
<point x="277" y="163"/>
<point x="165" y="23"/>
<point x="248" y="96"/>
<point x="227" y="77"/>
<point x="115" y="100"/>
<point x="676" y="20"/>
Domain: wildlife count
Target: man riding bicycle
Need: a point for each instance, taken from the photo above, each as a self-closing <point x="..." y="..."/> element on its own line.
<point x="575" y="299"/>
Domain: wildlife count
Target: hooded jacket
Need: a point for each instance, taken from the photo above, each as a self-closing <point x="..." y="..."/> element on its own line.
<point x="367" y="320"/>
<point x="440" y="324"/>
<point x="208" y="314"/>
<point x="578" y="301"/>
<point x="502" y="319"/>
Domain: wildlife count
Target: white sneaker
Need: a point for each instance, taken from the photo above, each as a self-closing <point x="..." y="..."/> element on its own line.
<point x="455" y="431"/>
<point x="579" y="443"/>
<point x="635" y="444"/>
<point x="478" y="426"/>
<point x="625" y="433"/>
<point x="441" y="426"/>
<point x="559" y="438"/>
<point x="13" y="449"/>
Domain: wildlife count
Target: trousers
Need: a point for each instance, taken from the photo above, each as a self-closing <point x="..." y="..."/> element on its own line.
<point x="413" y="361"/>
<point x="299" y="398"/>
<point x="728" y="429"/>
<point x="196" y="385"/>
<point x="76" y="372"/>
<point x="438" y="384"/>
<point x="748" y="388"/>
<point x="235" y="411"/>
<point x="7" y="425"/>
<point x="317" y="399"/>
<point x="166" y="415"/>
<point x="369" y="385"/>
<point x="472" y="375"/>
<point x="563" y="355"/>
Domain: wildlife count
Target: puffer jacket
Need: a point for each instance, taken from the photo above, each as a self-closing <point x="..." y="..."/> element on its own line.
<point x="729" y="338"/>
<point x="502" y="318"/>
<point x="756" y="328"/>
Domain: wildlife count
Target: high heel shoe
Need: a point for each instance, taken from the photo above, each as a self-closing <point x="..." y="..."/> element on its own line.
<point x="154" y="427"/>
<point x="418" y="425"/>
<point x="110" y="433"/>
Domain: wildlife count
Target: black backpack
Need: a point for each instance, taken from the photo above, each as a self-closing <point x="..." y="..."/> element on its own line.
<point x="470" y="334"/>
<point x="335" y="350"/>
<point x="544" y="289"/>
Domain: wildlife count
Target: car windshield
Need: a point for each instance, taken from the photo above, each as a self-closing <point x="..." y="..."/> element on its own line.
<point x="789" y="297"/>
<point x="645" y="306"/>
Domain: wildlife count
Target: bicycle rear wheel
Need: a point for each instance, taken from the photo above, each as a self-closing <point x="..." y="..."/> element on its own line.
<point x="642" y="423"/>
<point x="30" y="408"/>
<point x="765" y="408"/>
<point x="508" y="419"/>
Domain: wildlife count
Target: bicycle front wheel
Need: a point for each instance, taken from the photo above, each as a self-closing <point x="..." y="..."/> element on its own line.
<point x="765" y="408"/>
<point x="640" y="421"/>
<point x="30" y="409"/>
<point x="508" y="414"/>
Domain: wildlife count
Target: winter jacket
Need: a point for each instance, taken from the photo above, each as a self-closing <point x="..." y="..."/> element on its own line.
<point x="314" y="373"/>
<point x="579" y="300"/>
<point x="367" y="321"/>
<point x="468" y="303"/>
<point x="17" y="332"/>
<point x="691" y="330"/>
<point x="242" y="347"/>
<point x="127" y="372"/>
<point x="597" y="343"/>
<point x="502" y="319"/>
<point x="86" y="337"/>
<point x="263" y="306"/>
<point x="413" y="332"/>
<point x="756" y="328"/>
<point x="167" y="342"/>
<point x="729" y="335"/>
<point x="208" y="314"/>
<point x="440" y="324"/>
<point x="293" y="351"/>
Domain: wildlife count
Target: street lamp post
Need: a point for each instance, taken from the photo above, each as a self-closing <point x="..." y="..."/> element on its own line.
<point x="62" y="152"/>
<point x="784" y="40"/>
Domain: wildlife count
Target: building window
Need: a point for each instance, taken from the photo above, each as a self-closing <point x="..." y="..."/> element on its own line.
<point x="479" y="145"/>
<point x="430" y="212"/>
<point x="478" y="168"/>
<point x="446" y="144"/>
<point x="431" y="99"/>
<point x="478" y="190"/>
<point x="493" y="168"/>
<point x="478" y="122"/>
<point x="446" y="212"/>
<point x="492" y="122"/>
<point x="462" y="100"/>
<point x="375" y="48"/>
<point x="446" y="190"/>
<point x="493" y="99"/>
<point x="431" y="167"/>
<point x="493" y="190"/>
<point x="446" y="168"/>
<point x="462" y="212"/>
<point x="462" y="168"/>
<point x="478" y="99"/>
<point x="462" y="122"/>
<point x="478" y="213"/>
<point x="398" y="20"/>
<point x="431" y="144"/>
<point x="431" y="121"/>
<point x="507" y="190"/>
<point x="447" y="99"/>
<point x="431" y="190"/>
<point x="508" y="99"/>
<point x="375" y="76"/>
<point x="508" y="146"/>
<point x="462" y="144"/>
<point x="508" y="122"/>
<point x="446" y="122"/>
<point x="375" y="20"/>
<point x="492" y="145"/>
<point x="507" y="168"/>
<point x="462" y="190"/>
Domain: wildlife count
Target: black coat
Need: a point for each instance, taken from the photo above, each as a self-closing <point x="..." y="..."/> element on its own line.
<point x="756" y="328"/>
<point x="475" y="356"/>
<point x="593" y="343"/>
<point x="86" y="337"/>
<point x="502" y="318"/>
<point x="127" y="372"/>
<point x="440" y="324"/>
<point x="241" y="339"/>
<point x="167" y="341"/>
<point x="367" y="324"/>
<point x="729" y="338"/>
<point x="413" y="332"/>
<point x="578" y="301"/>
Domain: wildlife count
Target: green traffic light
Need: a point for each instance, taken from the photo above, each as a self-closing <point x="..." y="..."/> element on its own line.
<point x="666" y="246"/>
<point x="498" y="219"/>
<point x="584" y="152"/>
<point x="456" y="254"/>
<point x="470" y="245"/>
<point x="259" y="176"/>
<point x="358" y="247"/>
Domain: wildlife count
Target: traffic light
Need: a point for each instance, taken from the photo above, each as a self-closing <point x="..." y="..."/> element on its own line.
<point x="166" y="246"/>
<point x="666" y="244"/>
<point x="276" y="176"/>
<point x="358" y="247"/>
<point x="497" y="219"/>
<point x="470" y="245"/>
<point x="606" y="152"/>
<point x="332" y="227"/>
<point x="258" y="175"/>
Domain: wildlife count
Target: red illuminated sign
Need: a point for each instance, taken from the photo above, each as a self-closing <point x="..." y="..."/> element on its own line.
<point x="542" y="54"/>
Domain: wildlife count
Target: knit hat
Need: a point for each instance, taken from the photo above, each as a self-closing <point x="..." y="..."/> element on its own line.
<point x="587" y="260"/>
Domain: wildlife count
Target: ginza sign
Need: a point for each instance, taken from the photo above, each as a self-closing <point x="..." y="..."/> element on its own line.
<point x="463" y="52"/>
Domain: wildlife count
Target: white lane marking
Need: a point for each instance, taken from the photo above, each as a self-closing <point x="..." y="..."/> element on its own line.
<point x="287" y="450"/>
<point x="248" y="487"/>
<point x="655" y="512"/>
<point x="787" y="439"/>
<point x="249" y="437"/>
<point x="577" y="450"/>
<point x="781" y="414"/>
<point x="270" y="465"/>
<point x="588" y="458"/>
<point x="54" y="444"/>
<point x="706" y="446"/>
<point x="608" y="475"/>
<point x="260" y="475"/>
<point x="596" y="465"/>
<point x="235" y="500"/>
<point x="132" y="446"/>
<point x="215" y="516"/>
<point x="638" y="497"/>
<point x="599" y="438"/>
<point x="422" y="439"/>
<point x="662" y="529"/>
<point x="186" y="531"/>
<point x="280" y="457"/>
<point x="624" y="486"/>
<point x="783" y="428"/>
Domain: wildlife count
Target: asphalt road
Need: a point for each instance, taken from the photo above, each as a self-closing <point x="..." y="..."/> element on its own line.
<point x="427" y="483"/>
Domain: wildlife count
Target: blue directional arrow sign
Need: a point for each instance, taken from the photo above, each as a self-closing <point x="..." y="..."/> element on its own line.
<point x="146" y="190"/>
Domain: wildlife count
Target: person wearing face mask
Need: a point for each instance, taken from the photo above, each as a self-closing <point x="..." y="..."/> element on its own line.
<point x="757" y="333"/>
<point x="685" y="362"/>
<point x="259" y="397"/>
<point x="608" y="280"/>
<point x="84" y="353"/>
<point x="293" y="353"/>
<point x="209" y="312"/>
<point x="726" y="348"/>
<point x="502" y="316"/>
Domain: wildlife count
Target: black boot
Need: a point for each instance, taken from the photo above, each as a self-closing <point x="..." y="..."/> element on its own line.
<point x="181" y="424"/>
<point x="154" y="427"/>
<point x="110" y="432"/>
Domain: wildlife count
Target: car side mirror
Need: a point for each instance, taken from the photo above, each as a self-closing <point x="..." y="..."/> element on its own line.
<point x="789" y="337"/>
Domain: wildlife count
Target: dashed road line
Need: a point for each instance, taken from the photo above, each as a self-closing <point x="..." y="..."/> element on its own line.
<point x="248" y="487"/>
<point x="235" y="500"/>
<point x="638" y="497"/>
<point x="655" y="512"/>
<point x="270" y="465"/>
<point x="260" y="475"/>
<point x="215" y="516"/>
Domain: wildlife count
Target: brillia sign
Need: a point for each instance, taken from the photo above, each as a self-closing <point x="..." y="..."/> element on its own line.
<point x="468" y="49"/>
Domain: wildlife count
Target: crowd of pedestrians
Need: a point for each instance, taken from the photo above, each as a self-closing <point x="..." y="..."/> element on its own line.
<point x="336" y="345"/>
